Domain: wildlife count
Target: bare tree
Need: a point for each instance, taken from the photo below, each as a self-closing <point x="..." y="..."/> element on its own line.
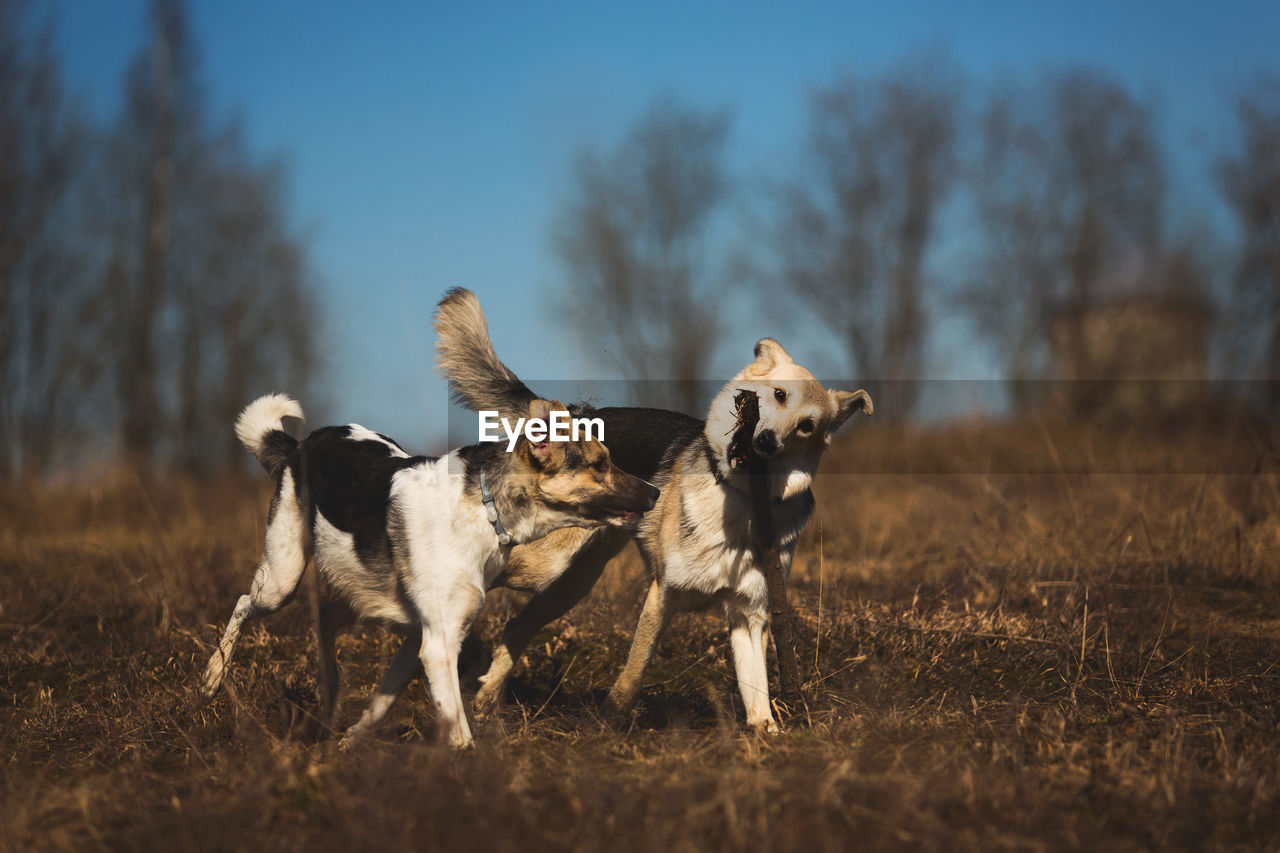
<point x="149" y="284"/>
<point x="241" y="298"/>
<point x="1019" y="259"/>
<point x="855" y="232"/>
<point x="44" y="365"/>
<point x="212" y="289"/>
<point x="1068" y="185"/>
<point x="634" y="240"/>
<point x="161" y="120"/>
<point x="1250" y="180"/>
<point x="1109" y="183"/>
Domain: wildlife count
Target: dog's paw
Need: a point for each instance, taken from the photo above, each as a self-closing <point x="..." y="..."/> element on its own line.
<point x="212" y="678"/>
<point x="351" y="739"/>
<point x="486" y="702"/>
<point x="617" y="717"/>
<point x="765" y="727"/>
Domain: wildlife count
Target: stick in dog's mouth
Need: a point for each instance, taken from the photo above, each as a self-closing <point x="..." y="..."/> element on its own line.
<point x="746" y="407"/>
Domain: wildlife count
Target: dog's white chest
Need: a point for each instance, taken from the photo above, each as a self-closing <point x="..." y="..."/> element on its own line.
<point x="712" y="552"/>
<point x="443" y="534"/>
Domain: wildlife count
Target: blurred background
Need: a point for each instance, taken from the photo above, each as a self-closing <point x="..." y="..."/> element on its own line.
<point x="996" y="211"/>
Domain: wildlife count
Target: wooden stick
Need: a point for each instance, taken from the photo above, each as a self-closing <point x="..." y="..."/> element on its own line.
<point x="780" y="621"/>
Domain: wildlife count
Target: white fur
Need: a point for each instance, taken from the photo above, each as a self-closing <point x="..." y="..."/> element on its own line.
<point x="370" y="595"/>
<point x="453" y="551"/>
<point x="262" y="416"/>
<point x="359" y="433"/>
<point x="274" y="583"/>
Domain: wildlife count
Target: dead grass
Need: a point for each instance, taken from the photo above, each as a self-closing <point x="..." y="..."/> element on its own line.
<point x="1017" y="637"/>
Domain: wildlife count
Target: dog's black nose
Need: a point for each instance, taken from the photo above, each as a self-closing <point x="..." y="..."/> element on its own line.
<point x="766" y="443"/>
<point x="653" y="495"/>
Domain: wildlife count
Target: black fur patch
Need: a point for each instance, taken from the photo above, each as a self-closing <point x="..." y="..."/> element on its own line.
<point x="389" y="440"/>
<point x="639" y="440"/>
<point x="477" y="456"/>
<point x="801" y="504"/>
<point x="349" y="483"/>
<point x="277" y="445"/>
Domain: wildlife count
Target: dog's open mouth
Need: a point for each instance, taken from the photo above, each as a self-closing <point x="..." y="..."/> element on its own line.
<point x="618" y="515"/>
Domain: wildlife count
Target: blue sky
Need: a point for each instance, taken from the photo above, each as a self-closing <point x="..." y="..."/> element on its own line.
<point x="431" y="144"/>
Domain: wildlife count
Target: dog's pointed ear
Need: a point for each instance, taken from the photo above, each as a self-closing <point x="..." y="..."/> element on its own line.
<point x="848" y="402"/>
<point x="770" y="354"/>
<point x="545" y="452"/>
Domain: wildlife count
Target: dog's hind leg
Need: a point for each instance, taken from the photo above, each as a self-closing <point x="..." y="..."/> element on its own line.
<point x="547" y="605"/>
<point x="653" y="621"/>
<point x="275" y="581"/>
<point x="404" y="666"/>
<point x="333" y="617"/>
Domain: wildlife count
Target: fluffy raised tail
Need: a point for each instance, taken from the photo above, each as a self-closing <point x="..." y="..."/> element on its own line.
<point x="464" y="354"/>
<point x="261" y="430"/>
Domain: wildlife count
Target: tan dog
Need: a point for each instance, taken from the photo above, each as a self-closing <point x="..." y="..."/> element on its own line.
<point x="697" y="541"/>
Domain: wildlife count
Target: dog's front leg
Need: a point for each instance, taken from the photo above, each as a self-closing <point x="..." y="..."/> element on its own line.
<point x="439" y="653"/>
<point x="448" y="610"/>
<point x="653" y="621"/>
<point x="747" y="642"/>
<point x="570" y="586"/>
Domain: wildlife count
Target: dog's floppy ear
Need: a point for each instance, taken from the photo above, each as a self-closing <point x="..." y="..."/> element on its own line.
<point x="545" y="452"/>
<point x="769" y="354"/>
<point x="848" y="402"/>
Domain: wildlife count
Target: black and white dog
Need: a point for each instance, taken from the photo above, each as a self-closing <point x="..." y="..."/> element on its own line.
<point x="412" y="541"/>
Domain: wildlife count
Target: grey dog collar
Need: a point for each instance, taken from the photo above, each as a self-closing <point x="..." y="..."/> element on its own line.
<point x="491" y="510"/>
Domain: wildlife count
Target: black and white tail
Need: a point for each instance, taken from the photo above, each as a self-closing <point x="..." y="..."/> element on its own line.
<point x="261" y="429"/>
<point x="464" y="353"/>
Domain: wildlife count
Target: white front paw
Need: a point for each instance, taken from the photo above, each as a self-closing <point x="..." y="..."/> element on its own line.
<point x="767" y="726"/>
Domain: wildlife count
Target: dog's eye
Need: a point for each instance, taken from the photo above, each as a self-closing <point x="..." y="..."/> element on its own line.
<point x="780" y="395"/>
<point x="806" y="426"/>
<point x="602" y="465"/>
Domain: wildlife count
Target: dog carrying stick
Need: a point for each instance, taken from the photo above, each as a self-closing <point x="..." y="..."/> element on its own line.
<point x="740" y="450"/>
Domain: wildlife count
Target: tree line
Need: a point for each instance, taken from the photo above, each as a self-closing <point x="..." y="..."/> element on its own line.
<point x="150" y="282"/>
<point x="1061" y="185"/>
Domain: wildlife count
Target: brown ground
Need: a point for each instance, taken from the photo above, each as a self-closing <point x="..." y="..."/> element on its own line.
<point x="1064" y="657"/>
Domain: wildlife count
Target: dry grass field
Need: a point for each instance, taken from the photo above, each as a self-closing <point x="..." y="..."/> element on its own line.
<point x="1013" y="637"/>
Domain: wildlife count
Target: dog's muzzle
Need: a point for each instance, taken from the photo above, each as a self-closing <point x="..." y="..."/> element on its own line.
<point x="766" y="443"/>
<point x="643" y="500"/>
